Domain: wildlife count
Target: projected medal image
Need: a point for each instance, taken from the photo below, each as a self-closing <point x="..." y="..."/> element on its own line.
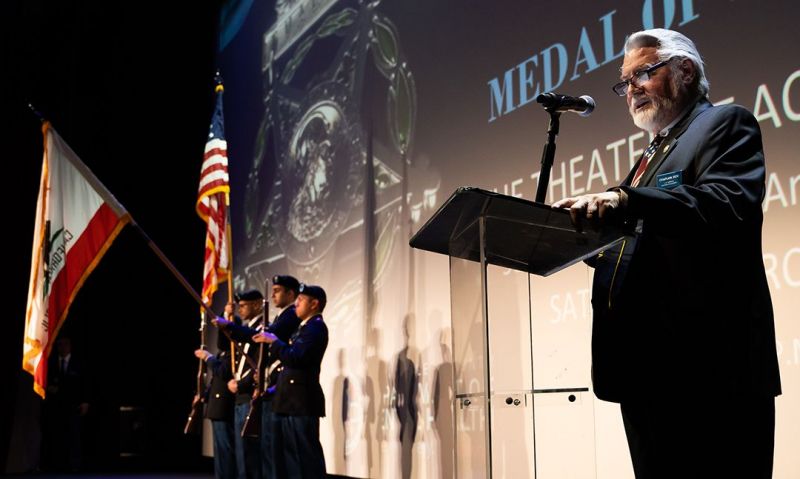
<point x="320" y="176"/>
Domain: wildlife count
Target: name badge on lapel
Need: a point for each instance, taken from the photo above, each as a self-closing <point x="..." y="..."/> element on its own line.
<point x="669" y="180"/>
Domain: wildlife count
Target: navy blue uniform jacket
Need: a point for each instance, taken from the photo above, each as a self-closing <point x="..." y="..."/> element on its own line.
<point x="299" y="392"/>
<point x="284" y="325"/>
<point x="219" y="399"/>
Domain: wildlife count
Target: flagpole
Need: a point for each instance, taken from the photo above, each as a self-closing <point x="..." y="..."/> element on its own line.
<point x="230" y="252"/>
<point x="228" y="235"/>
<point x="96" y="183"/>
<point x="230" y="273"/>
<point x="173" y="270"/>
<point x="184" y="283"/>
<point x="36" y="112"/>
<point x="109" y="198"/>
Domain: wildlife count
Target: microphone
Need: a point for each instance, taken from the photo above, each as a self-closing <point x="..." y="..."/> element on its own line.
<point x="583" y="105"/>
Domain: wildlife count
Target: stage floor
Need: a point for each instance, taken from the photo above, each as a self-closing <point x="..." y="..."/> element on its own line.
<point x="154" y="475"/>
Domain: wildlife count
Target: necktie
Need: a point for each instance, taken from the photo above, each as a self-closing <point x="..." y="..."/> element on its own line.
<point x="648" y="154"/>
<point x="63" y="365"/>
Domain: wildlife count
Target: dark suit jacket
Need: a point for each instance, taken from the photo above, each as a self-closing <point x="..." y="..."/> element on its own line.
<point x="683" y="306"/>
<point x="67" y="389"/>
<point x="298" y="390"/>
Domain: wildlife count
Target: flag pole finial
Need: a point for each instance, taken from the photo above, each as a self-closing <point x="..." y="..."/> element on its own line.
<point x="36" y="112"/>
<point x="218" y="81"/>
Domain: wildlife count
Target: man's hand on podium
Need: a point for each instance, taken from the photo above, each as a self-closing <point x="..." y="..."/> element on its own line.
<point x="595" y="208"/>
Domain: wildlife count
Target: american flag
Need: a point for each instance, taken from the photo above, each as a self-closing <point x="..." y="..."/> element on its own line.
<point x="212" y="202"/>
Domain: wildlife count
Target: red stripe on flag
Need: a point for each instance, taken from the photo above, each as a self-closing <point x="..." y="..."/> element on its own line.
<point x="214" y="184"/>
<point x="216" y="151"/>
<point x="214" y="167"/>
<point x="212" y="272"/>
<point x="40" y="375"/>
<point x="79" y="258"/>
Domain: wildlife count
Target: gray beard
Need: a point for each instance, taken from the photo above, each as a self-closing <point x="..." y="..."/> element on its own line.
<point x="662" y="110"/>
<point x="657" y="116"/>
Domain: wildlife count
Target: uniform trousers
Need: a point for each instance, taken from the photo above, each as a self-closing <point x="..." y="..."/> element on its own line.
<point x="224" y="453"/>
<point x="248" y="457"/>
<point x="267" y="450"/>
<point x="298" y="450"/>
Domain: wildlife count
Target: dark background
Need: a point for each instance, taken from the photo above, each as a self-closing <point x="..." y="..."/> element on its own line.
<point x="129" y="87"/>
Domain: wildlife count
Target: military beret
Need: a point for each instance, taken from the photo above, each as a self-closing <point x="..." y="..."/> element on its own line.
<point x="288" y="282"/>
<point x="315" y="292"/>
<point x="251" y="295"/>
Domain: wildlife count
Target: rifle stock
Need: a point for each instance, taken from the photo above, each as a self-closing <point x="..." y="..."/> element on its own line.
<point x="252" y="423"/>
<point x="195" y="419"/>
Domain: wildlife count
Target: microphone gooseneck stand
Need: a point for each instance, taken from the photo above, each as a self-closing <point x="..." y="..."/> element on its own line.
<point x="548" y="154"/>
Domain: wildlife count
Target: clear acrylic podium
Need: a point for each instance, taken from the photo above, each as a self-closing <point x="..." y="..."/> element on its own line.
<point x="504" y="425"/>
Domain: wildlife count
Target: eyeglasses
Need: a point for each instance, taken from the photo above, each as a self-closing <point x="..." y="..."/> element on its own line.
<point x="638" y="77"/>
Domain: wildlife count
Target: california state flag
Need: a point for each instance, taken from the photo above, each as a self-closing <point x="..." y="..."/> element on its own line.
<point x="76" y="221"/>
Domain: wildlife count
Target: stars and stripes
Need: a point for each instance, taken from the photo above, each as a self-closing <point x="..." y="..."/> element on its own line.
<point x="212" y="202"/>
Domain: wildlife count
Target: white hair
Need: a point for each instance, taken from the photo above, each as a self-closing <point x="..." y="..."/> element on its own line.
<point x="669" y="44"/>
